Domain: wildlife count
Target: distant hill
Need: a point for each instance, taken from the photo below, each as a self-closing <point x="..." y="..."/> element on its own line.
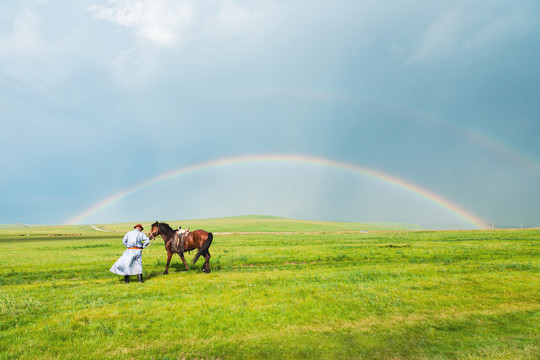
<point x="267" y="223"/>
<point x="15" y="226"/>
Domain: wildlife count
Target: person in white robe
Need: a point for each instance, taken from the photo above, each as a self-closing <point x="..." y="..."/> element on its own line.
<point x="130" y="263"/>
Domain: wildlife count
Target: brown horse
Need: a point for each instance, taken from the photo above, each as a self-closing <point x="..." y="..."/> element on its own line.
<point x="176" y="242"/>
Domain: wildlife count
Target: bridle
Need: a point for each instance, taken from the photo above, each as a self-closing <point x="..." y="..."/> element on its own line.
<point x="153" y="233"/>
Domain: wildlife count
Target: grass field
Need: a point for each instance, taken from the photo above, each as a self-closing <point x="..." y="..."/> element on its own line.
<point x="340" y="294"/>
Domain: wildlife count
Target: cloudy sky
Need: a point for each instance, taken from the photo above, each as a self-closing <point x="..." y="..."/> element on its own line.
<point x="98" y="97"/>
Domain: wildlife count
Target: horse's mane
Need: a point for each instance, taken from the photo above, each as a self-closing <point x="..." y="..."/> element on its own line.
<point x="165" y="229"/>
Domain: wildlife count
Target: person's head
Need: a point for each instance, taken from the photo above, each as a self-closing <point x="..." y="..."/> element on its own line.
<point x="139" y="226"/>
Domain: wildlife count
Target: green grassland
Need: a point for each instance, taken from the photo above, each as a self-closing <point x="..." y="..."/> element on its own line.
<point x="302" y="290"/>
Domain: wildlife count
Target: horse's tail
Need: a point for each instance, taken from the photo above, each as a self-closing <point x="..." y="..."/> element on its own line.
<point x="204" y="247"/>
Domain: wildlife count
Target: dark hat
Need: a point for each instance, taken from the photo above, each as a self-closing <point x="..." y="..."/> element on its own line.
<point x="139" y="225"/>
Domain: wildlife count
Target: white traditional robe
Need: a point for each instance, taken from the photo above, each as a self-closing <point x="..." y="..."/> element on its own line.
<point x="130" y="263"/>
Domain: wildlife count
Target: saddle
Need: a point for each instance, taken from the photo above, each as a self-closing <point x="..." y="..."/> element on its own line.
<point x="179" y="240"/>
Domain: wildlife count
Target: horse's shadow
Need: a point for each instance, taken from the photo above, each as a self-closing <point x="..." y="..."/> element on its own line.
<point x="151" y="275"/>
<point x="173" y="268"/>
<point x="178" y="268"/>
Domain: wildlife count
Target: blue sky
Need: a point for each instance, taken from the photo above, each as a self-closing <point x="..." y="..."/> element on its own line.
<point x="98" y="96"/>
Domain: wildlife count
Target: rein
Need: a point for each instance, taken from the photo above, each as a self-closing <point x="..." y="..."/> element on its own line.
<point x="152" y="238"/>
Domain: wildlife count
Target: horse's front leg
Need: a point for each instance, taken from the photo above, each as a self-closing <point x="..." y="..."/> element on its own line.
<point x="169" y="256"/>
<point x="184" y="260"/>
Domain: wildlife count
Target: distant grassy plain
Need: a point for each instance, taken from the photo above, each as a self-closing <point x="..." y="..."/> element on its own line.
<point x="302" y="290"/>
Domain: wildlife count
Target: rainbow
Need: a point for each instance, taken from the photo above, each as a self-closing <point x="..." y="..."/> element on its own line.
<point x="284" y="158"/>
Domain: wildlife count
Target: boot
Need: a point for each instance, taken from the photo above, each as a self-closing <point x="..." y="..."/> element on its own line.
<point x="126" y="279"/>
<point x="140" y="278"/>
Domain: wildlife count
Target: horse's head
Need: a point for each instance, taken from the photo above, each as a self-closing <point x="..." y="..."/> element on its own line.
<point x="162" y="229"/>
<point x="155" y="230"/>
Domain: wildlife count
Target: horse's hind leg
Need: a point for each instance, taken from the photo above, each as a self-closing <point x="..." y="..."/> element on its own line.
<point x="184" y="260"/>
<point x="206" y="266"/>
<point x="169" y="256"/>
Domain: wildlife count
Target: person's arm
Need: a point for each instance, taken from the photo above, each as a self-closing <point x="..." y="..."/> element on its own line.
<point x="146" y="240"/>
<point x="125" y="240"/>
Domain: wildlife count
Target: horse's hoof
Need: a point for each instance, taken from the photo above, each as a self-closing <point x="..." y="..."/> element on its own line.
<point x="166" y="273"/>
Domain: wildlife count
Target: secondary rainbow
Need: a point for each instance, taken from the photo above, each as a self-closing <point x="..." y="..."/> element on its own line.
<point x="489" y="142"/>
<point x="285" y="158"/>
